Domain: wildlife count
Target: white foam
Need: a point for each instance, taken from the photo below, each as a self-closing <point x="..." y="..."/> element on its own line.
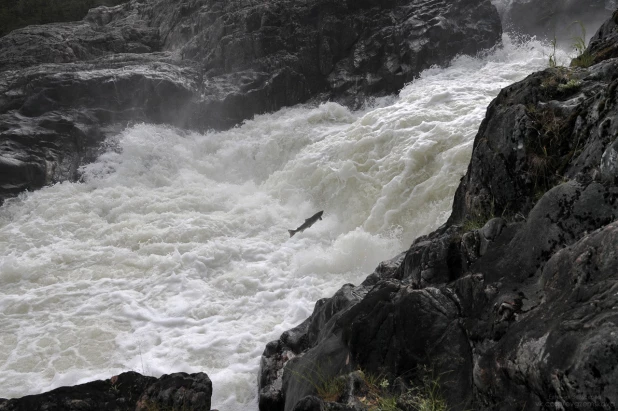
<point x="173" y="254"/>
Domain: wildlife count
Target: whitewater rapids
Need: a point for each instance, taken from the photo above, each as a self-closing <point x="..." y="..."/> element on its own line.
<point x="173" y="252"/>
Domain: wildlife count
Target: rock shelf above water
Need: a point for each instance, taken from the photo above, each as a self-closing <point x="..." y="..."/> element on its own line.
<point x="127" y="391"/>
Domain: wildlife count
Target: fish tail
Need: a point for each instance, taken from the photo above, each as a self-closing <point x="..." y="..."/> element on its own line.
<point x="292" y="232"/>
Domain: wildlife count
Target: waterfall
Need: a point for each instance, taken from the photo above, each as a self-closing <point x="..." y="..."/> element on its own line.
<point x="173" y="253"/>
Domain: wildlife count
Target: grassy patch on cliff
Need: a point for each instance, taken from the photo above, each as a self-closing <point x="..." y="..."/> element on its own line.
<point x="326" y="387"/>
<point x="549" y="146"/>
<point x="20" y="13"/>
<point x="583" y="58"/>
<point x="375" y="392"/>
<point x="424" y="396"/>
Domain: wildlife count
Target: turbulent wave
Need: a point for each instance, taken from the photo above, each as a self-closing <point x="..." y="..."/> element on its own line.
<point x="173" y="253"/>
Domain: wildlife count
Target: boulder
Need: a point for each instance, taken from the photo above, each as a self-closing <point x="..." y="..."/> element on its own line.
<point x="387" y="329"/>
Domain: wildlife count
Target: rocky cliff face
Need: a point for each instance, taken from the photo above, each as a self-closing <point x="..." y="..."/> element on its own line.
<point x="203" y="64"/>
<point x="512" y="304"/>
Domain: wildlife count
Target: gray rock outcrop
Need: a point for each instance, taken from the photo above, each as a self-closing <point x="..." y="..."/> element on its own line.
<point x="203" y="64"/>
<point x="128" y="391"/>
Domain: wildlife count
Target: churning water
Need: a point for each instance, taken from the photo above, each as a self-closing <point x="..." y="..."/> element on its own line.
<point x="173" y="253"/>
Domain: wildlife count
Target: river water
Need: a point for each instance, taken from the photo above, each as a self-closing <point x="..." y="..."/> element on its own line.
<point x="173" y="253"/>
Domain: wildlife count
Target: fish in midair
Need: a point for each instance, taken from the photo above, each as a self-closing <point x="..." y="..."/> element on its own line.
<point x="308" y="223"/>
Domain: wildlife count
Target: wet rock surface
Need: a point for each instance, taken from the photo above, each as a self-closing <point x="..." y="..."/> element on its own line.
<point x="561" y="125"/>
<point x="553" y="19"/>
<point x="604" y="44"/>
<point x="127" y="391"/>
<point x="512" y="303"/>
<point x="203" y="64"/>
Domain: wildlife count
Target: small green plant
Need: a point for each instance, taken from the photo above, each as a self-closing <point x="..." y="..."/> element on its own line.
<point x="549" y="147"/>
<point x="583" y="58"/>
<point x="550" y="83"/>
<point x="375" y="392"/>
<point x="552" y="57"/>
<point x="548" y="125"/>
<point x="388" y="403"/>
<point x="428" y="398"/>
<point x="377" y="396"/>
<point x="579" y="42"/>
<point x="328" y="388"/>
<point x="572" y="84"/>
<point x="543" y="146"/>
<point x="557" y="82"/>
<point x="115" y="388"/>
<point x="428" y="395"/>
<point x="473" y="223"/>
<point x="476" y="221"/>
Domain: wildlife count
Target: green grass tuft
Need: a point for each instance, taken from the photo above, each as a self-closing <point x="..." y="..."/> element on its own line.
<point x="583" y="58"/>
<point x="552" y="57"/>
<point x="570" y="85"/>
<point x="426" y="396"/>
<point x="328" y="388"/>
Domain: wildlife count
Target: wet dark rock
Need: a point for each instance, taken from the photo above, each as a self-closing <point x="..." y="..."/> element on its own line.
<point x="53" y="118"/>
<point x="433" y="259"/>
<point x="561" y="123"/>
<point x="376" y="329"/>
<point x="206" y="64"/>
<point x="604" y="44"/>
<point x="127" y="391"/>
<point x="513" y="302"/>
<point x="550" y="18"/>
<point x="388" y="336"/>
<point x="178" y="391"/>
<point x="309" y="403"/>
<point x="103" y="32"/>
<point x="561" y="217"/>
<point x="551" y="353"/>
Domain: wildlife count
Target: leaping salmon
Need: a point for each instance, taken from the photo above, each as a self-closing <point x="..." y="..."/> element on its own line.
<point x="308" y="223"/>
